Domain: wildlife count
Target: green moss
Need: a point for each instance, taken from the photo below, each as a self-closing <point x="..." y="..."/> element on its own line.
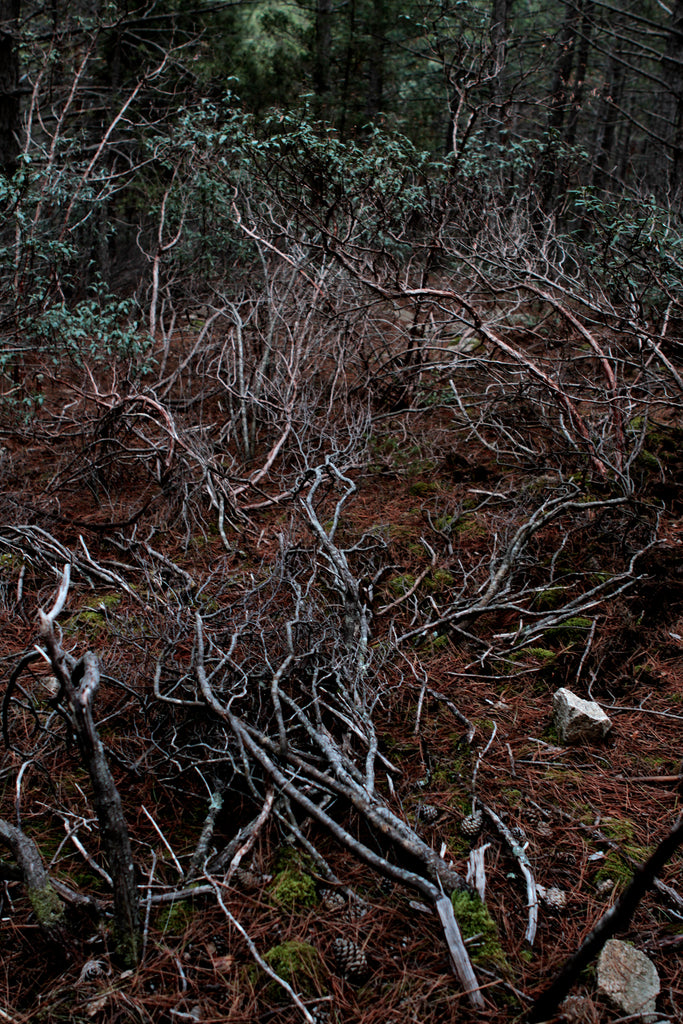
<point x="47" y="906"/>
<point x="467" y="526"/>
<point x="583" y="813"/>
<point x="291" y="888"/>
<point x="174" y="920"/>
<point x="423" y="488"/>
<point x="571" y="629"/>
<point x="618" y="828"/>
<point x="92" y="617"/>
<point x="401" y="584"/>
<point x="550" y="598"/>
<point x="616" y="869"/>
<point x="474" y="920"/>
<point x="542" y="653"/>
<point x="646" y="460"/>
<point x="108" y="600"/>
<point x="446" y="776"/>
<point x="297" y="963"/>
<point x="440" y="580"/>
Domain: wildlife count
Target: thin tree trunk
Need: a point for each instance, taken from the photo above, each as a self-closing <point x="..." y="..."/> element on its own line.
<point x="581" y="66"/>
<point x="559" y="99"/>
<point x="500" y="15"/>
<point x="608" y="122"/>
<point x="673" y="74"/>
<point x="378" y="27"/>
<point x="323" y="42"/>
<point x="80" y="681"/>
<point x="348" y="64"/>
<point x="9" y="86"/>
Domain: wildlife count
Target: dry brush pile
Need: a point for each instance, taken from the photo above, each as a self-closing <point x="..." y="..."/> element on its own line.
<point x="305" y="589"/>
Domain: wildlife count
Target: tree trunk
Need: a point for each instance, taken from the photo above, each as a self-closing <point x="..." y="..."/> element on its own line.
<point x="348" y="66"/>
<point x="608" y="122"/>
<point x="581" y="66"/>
<point x="323" y="42"/>
<point x="673" y="75"/>
<point x="86" y="676"/>
<point x="500" y="14"/>
<point x="559" y="98"/>
<point x="9" y="86"/>
<point x="377" y="28"/>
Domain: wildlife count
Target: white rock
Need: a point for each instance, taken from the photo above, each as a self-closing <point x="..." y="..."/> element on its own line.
<point x="577" y="720"/>
<point x="629" y="979"/>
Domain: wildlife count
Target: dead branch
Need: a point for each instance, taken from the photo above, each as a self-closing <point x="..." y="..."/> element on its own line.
<point x="44" y="898"/>
<point x="520" y="856"/>
<point x="79" y="681"/>
<point x="617" y="918"/>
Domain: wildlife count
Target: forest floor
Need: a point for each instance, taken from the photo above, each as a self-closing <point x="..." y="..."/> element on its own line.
<point x="588" y="813"/>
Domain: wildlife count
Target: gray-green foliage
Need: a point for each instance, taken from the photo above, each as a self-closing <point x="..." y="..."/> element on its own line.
<point x="95" y="329"/>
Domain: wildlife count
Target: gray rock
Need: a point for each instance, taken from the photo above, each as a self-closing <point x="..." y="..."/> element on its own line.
<point x="577" y="720"/>
<point x="629" y="979"/>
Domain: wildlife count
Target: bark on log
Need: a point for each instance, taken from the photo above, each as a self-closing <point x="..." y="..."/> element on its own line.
<point x="46" y="903"/>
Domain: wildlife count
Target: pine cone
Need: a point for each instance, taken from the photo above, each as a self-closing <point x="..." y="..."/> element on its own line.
<point x="248" y="879"/>
<point x="518" y="834"/>
<point x="91" y="970"/>
<point x="428" y="813"/>
<point x="554" y="898"/>
<point x="351" y="960"/>
<point x="332" y="900"/>
<point x="355" y="911"/>
<point x="472" y="825"/>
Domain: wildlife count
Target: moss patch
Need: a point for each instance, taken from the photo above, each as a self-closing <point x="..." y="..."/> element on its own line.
<point x="550" y="598"/>
<point x="47" y="906"/>
<point x="572" y="629"/>
<point x="618" y="828"/>
<point x="297" y="963"/>
<point x="401" y="584"/>
<point x="542" y="653"/>
<point x="474" y="920"/>
<point x="292" y="887"/>
<point x="175" y="919"/>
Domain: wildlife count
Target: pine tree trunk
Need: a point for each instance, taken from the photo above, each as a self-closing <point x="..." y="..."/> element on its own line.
<point x="9" y="86"/>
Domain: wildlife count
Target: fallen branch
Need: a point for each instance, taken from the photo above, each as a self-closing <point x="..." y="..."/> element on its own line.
<point x="79" y="681"/>
<point x="520" y="856"/>
<point x="617" y="918"/>
<point x="46" y="903"/>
